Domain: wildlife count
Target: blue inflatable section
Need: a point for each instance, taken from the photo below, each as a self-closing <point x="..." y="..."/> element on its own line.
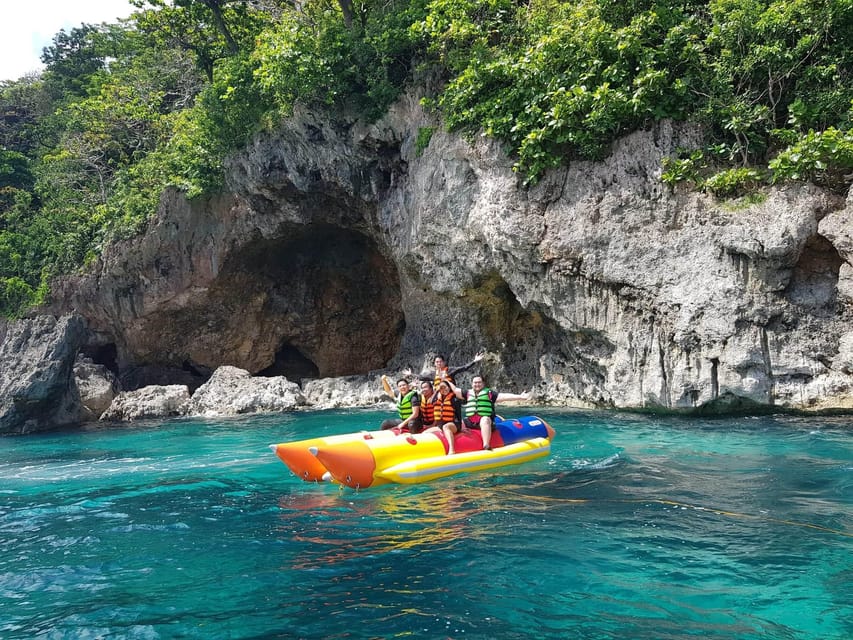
<point x="523" y="428"/>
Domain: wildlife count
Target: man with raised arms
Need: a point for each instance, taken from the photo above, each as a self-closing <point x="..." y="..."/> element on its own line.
<point x="443" y="371"/>
<point x="478" y="410"/>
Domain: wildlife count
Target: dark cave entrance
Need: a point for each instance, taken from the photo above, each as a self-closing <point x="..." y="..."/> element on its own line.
<point x="814" y="281"/>
<point x="142" y="375"/>
<point x="332" y="304"/>
<point x="102" y="354"/>
<point x="292" y="364"/>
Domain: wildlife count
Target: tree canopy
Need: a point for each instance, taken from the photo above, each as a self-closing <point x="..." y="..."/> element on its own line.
<point x="124" y="110"/>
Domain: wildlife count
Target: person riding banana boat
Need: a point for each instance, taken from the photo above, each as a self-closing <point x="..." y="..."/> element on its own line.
<point x="408" y="406"/>
<point x="478" y="410"/>
<point x="480" y="440"/>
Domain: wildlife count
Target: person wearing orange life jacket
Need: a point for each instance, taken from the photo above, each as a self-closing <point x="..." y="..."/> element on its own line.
<point x="478" y="410"/>
<point x="408" y="406"/>
<point x="428" y="396"/>
<point x="445" y="408"/>
<point x="442" y="371"/>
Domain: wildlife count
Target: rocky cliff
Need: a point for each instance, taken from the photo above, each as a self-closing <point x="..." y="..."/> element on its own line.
<point x="340" y="248"/>
<point x="37" y="390"/>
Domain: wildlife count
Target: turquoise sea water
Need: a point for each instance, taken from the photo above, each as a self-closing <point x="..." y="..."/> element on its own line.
<point x="634" y="527"/>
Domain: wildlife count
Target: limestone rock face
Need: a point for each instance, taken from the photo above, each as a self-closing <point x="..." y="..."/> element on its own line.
<point x="97" y="387"/>
<point x="233" y="391"/>
<point x="153" y="401"/>
<point x="36" y="359"/>
<point x="340" y="248"/>
<point x="347" y="391"/>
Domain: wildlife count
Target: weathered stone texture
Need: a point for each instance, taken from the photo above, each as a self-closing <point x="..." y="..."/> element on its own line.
<point x="36" y="359"/>
<point x="233" y="391"/>
<point x="97" y="387"/>
<point x="151" y="402"/>
<point x="340" y="249"/>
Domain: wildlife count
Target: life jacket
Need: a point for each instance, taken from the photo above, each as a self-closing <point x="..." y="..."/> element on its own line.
<point x="445" y="409"/>
<point x="439" y="376"/>
<point x="480" y="405"/>
<point x="428" y="409"/>
<point x="404" y="404"/>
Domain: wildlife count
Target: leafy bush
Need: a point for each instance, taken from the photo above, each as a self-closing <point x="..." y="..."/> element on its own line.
<point x="312" y="55"/>
<point x="562" y="82"/>
<point x="734" y="182"/>
<point x="822" y="157"/>
<point x="423" y="139"/>
<point x="15" y="296"/>
<point x="686" y="169"/>
<point x="124" y="111"/>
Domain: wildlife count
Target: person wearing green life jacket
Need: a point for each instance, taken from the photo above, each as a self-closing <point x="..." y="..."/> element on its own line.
<point x="478" y="410"/>
<point x="408" y="407"/>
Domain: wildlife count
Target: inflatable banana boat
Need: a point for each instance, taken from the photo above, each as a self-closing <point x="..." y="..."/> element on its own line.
<point x="371" y="458"/>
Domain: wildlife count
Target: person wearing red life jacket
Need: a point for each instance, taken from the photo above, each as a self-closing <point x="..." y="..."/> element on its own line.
<point x="428" y="396"/>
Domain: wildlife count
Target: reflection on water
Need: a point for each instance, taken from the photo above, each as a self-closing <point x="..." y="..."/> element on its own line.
<point x="336" y="527"/>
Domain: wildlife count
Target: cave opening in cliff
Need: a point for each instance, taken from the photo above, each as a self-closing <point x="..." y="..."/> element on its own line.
<point x="292" y="364"/>
<point x="102" y="354"/>
<point x="318" y="301"/>
<point x="814" y="280"/>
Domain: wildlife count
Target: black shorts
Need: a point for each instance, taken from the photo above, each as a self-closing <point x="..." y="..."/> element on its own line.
<point x="414" y="426"/>
<point x="469" y="423"/>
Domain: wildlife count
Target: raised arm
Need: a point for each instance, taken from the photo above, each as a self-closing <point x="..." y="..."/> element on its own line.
<point x="511" y="397"/>
<point x="387" y="388"/>
<point x="465" y="367"/>
<point x="456" y="390"/>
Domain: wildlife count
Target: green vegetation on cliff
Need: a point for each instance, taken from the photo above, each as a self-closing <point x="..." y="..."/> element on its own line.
<point x="123" y="111"/>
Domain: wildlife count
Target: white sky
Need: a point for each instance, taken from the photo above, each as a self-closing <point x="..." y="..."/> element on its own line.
<point x="27" y="26"/>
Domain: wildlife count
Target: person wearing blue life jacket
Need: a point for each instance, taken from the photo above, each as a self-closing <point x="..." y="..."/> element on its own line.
<point x="478" y="410"/>
<point x="408" y="407"/>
